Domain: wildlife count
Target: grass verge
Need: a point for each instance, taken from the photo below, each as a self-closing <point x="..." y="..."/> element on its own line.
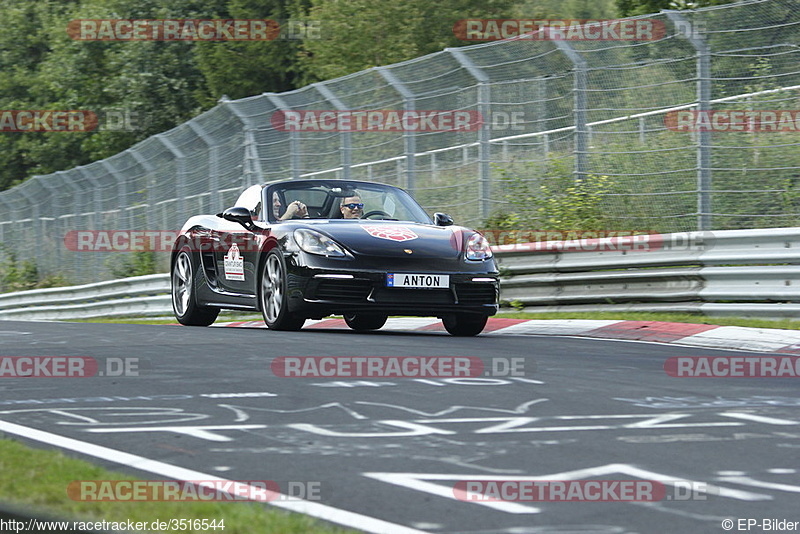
<point x="37" y="479"/>
<point x="787" y="324"/>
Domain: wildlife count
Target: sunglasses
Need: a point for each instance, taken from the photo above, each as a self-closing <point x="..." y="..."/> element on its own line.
<point x="354" y="205"/>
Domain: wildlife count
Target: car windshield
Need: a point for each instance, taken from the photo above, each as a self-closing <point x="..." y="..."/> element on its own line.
<point x="340" y="199"/>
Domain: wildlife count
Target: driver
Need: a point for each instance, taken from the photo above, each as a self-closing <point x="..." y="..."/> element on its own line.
<point x="294" y="210"/>
<point x="352" y="207"/>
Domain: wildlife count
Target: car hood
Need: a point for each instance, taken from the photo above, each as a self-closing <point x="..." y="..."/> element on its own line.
<point x="395" y="238"/>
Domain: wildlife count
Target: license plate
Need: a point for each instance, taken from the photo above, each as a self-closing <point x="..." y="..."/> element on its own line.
<point x="418" y="281"/>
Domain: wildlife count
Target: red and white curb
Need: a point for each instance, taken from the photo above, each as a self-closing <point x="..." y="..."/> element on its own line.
<point x="696" y="335"/>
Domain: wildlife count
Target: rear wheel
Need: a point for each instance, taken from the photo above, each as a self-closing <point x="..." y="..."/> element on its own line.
<point x="362" y="321"/>
<point x="274" y="295"/>
<point x="464" y="324"/>
<point x="184" y="302"/>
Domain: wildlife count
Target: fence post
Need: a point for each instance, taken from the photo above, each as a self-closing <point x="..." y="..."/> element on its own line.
<point x="685" y="28"/>
<point x="294" y="139"/>
<point x="252" y="162"/>
<point x="346" y="137"/>
<point x="77" y="194"/>
<point x="215" y="202"/>
<point x="9" y="208"/>
<point x="581" y="130"/>
<point x="98" y="200"/>
<point x="148" y="168"/>
<point x="484" y="134"/>
<point x="409" y="136"/>
<point x="122" y="194"/>
<point x="35" y="215"/>
<point x="59" y="246"/>
<point x="180" y="172"/>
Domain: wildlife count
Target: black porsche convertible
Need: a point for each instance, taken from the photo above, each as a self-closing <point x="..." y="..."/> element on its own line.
<point x="306" y="249"/>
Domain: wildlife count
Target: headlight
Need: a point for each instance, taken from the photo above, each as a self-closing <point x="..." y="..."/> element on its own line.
<point x="478" y="248"/>
<point x="314" y="242"/>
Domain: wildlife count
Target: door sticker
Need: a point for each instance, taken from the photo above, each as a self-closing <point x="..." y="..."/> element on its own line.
<point x="233" y="265"/>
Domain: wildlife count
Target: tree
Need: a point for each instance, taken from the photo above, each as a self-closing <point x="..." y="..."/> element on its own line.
<point x="367" y="33"/>
<point x="628" y="8"/>
<point x="241" y="69"/>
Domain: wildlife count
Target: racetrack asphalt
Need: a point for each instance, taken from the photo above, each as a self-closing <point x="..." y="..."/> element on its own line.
<point x="386" y="454"/>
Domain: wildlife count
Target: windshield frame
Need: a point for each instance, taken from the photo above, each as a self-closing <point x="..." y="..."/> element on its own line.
<point x="335" y="190"/>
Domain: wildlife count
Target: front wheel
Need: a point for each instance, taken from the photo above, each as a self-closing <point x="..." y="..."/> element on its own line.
<point x="184" y="302"/>
<point x="274" y="295"/>
<point x="361" y="321"/>
<point x="464" y="324"/>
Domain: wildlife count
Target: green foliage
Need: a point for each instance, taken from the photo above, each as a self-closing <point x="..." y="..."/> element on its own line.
<point x="21" y="276"/>
<point x="552" y="200"/>
<point x="629" y="8"/>
<point x="570" y="9"/>
<point x="241" y="69"/>
<point x="368" y="33"/>
<point x="133" y="264"/>
<point x="162" y="84"/>
<point x="566" y="207"/>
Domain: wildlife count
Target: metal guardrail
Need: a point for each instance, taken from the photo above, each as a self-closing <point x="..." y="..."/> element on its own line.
<point x="734" y="272"/>
<point x="139" y="295"/>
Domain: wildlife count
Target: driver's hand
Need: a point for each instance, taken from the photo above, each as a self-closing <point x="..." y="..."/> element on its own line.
<point x="296" y="209"/>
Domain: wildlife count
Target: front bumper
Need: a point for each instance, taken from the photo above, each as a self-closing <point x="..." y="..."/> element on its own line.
<point x="320" y="292"/>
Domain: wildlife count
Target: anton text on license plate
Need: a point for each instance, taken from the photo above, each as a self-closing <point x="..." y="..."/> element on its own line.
<point x="417" y="280"/>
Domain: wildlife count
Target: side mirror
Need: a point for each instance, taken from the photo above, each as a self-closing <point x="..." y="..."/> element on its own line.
<point x="238" y="214"/>
<point x="442" y="219"/>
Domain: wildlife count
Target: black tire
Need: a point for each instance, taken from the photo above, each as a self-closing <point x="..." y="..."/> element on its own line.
<point x="464" y="324"/>
<point x="184" y="303"/>
<point x="362" y="321"/>
<point x="274" y="295"/>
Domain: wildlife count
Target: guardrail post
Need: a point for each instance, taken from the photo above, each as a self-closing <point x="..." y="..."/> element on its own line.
<point x="294" y="136"/>
<point x="346" y="137"/>
<point x="484" y="134"/>
<point x="685" y="28"/>
<point x="581" y="128"/>
<point x="409" y="136"/>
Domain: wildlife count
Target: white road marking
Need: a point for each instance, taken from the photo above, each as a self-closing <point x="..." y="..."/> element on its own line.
<point x="427" y="482"/>
<point x="321" y="511"/>
<point x="747" y="481"/>
<point x="760" y="418"/>
<point x="201" y="432"/>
